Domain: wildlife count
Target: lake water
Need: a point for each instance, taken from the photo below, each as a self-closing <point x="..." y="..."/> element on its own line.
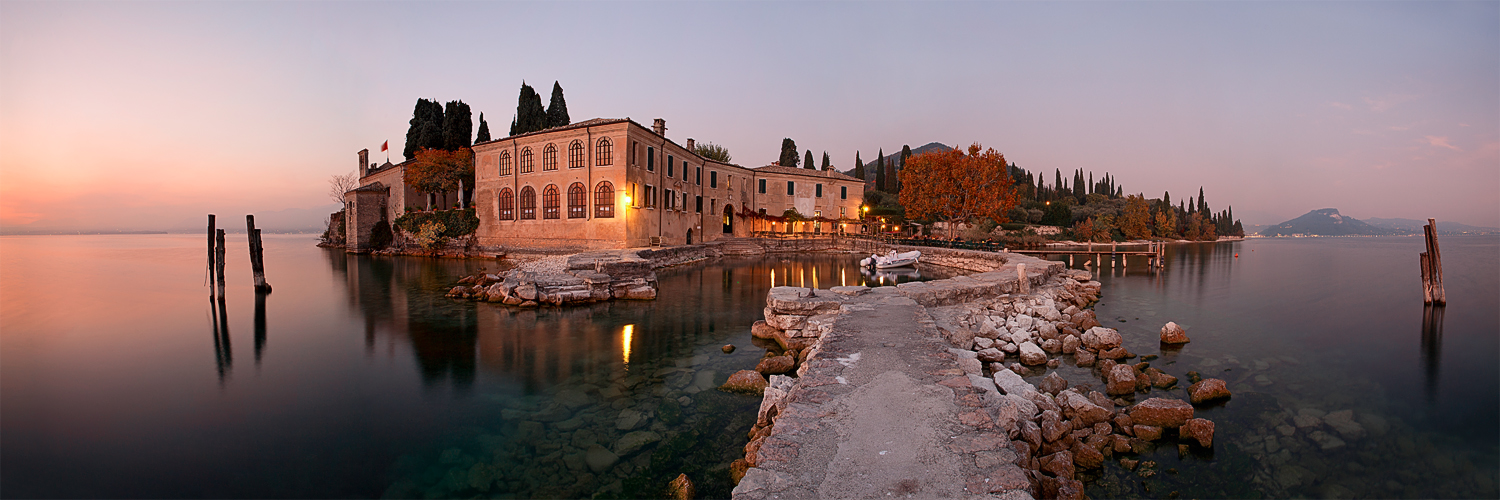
<point x="356" y="378"/>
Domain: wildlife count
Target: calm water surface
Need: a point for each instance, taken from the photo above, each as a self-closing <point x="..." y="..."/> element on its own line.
<point x="357" y="379"/>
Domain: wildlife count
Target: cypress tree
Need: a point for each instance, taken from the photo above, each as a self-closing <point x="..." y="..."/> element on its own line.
<point x="530" y="116"/>
<point x="458" y="124"/>
<point x="807" y="161"/>
<point x="426" y="128"/>
<point x="1058" y="183"/>
<point x="1202" y="205"/>
<point x="484" y="130"/>
<point x="788" y="153"/>
<point x="880" y="171"/>
<point x="1093" y="188"/>
<point x="859" y="167"/>
<point x="557" y="110"/>
<point x="827" y="162"/>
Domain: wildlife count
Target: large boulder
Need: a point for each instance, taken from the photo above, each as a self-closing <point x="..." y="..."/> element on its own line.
<point x="1206" y="390"/>
<point x="745" y="382"/>
<point x="1201" y="429"/>
<point x="761" y="330"/>
<point x="991" y="355"/>
<point x="1012" y="383"/>
<point x="1161" y="412"/>
<point x="776" y="365"/>
<point x="1079" y="408"/>
<point x="1031" y="355"/>
<point x="1100" y="338"/>
<point x="1120" y="380"/>
<point x="1052" y="384"/>
<point x="1173" y="334"/>
<point x="1160" y="379"/>
<point x="1069" y="344"/>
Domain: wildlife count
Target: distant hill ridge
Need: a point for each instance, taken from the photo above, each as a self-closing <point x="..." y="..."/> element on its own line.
<point x="1415" y="226"/>
<point x="896" y="156"/>
<point x="1326" y="222"/>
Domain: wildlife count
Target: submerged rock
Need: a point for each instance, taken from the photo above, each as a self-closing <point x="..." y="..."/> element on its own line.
<point x="600" y="459"/>
<point x="682" y="488"/>
<point x="1161" y="412"/>
<point x="1209" y="389"/>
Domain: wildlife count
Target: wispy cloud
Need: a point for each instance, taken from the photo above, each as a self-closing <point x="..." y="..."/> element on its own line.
<point x="1381" y="104"/>
<point x="1441" y="142"/>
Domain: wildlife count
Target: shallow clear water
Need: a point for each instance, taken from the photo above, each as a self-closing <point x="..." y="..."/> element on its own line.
<point x="359" y="379"/>
<point x="1324" y="324"/>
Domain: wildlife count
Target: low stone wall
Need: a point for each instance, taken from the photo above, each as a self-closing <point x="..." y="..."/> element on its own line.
<point x="583" y="278"/>
<point x="984" y="285"/>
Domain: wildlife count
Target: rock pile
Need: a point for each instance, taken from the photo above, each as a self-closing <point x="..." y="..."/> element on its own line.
<point x="564" y="280"/>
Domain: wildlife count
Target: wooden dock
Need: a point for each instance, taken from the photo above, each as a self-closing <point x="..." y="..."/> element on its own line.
<point x="1154" y="253"/>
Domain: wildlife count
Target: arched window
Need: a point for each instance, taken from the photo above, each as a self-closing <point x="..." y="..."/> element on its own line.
<point x="507" y="204"/>
<point x="604" y="200"/>
<point x="604" y="152"/>
<point x="575" y="154"/>
<point x="550" y="207"/>
<point x="578" y="203"/>
<point x="549" y="158"/>
<point x="526" y="160"/>
<point x="505" y="163"/>
<point x="528" y="203"/>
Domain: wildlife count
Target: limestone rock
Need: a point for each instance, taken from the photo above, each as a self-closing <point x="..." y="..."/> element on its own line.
<point x="1120" y="380"/>
<point x="1069" y="344"/>
<point x="1011" y="383"/>
<point x="1343" y="422"/>
<point x="1115" y="353"/>
<point x="761" y="330"/>
<point x="1161" y="412"/>
<point x="1208" y="389"/>
<point x="682" y="488"/>
<point x="1147" y="432"/>
<point x="1046" y="330"/>
<point x="1059" y="464"/>
<point x="991" y="355"/>
<point x="1031" y="355"/>
<point x="1325" y="440"/>
<point x="1173" y="334"/>
<point x="982" y="343"/>
<point x="1087" y="456"/>
<point x="629" y="419"/>
<point x="528" y="292"/>
<point x="1080" y="409"/>
<point x="634" y="441"/>
<point x="728" y="348"/>
<point x="737" y="470"/>
<point x="1052" y="346"/>
<point x="1201" y="429"/>
<point x="600" y="459"/>
<point x="1100" y="338"/>
<point x="1083" y="357"/>
<point x="1052" y="384"/>
<point x="776" y="365"/>
<point x="745" y="381"/>
<point x="1160" y="379"/>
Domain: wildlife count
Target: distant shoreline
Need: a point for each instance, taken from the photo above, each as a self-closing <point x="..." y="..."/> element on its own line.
<point x="128" y="233"/>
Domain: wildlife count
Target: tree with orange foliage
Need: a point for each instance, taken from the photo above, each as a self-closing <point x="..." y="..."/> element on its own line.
<point x="438" y="170"/>
<point x="955" y="187"/>
<point x="1136" y="221"/>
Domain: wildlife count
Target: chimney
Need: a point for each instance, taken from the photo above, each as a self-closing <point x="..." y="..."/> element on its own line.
<point x="690" y="145"/>
<point x="364" y="159"/>
<point x="659" y="126"/>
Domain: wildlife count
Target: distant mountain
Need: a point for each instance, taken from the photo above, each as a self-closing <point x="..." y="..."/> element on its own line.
<point x="289" y="220"/>
<point x="1415" y="226"/>
<point x="1326" y="222"/>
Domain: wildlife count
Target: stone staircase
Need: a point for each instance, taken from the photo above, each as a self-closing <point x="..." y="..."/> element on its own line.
<point x="741" y="246"/>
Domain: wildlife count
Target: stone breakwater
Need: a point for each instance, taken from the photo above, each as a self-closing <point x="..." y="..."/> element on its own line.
<point x="580" y="278"/>
<point x="907" y="391"/>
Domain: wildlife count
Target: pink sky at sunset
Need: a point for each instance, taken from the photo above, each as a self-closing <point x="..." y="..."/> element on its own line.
<point x="130" y="116"/>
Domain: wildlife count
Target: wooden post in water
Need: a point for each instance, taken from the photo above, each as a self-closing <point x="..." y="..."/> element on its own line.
<point x="1432" y="268"/>
<point x="219" y="262"/>
<point x="257" y="253"/>
<point x="210" y="254"/>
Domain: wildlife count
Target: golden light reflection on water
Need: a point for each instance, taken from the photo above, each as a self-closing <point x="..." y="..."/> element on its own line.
<point x="625" y="335"/>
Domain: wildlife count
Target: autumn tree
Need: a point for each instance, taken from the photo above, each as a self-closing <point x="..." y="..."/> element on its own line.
<point x="712" y="151"/>
<point x="788" y="153"/>
<point x="438" y="170"/>
<point x="956" y="187"/>
<point x="1166" y="222"/>
<point x="1136" y="221"/>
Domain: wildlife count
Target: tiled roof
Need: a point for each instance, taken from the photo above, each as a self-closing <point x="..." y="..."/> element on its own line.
<point x="779" y="169"/>
<point x="585" y="123"/>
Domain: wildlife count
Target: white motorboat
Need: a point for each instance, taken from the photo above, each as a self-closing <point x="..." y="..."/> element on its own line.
<point x="892" y="259"/>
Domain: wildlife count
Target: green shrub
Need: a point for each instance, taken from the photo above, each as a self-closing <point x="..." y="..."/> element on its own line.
<point x="455" y="223"/>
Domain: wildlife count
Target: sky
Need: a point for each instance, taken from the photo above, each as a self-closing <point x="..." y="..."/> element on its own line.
<point x="142" y="115"/>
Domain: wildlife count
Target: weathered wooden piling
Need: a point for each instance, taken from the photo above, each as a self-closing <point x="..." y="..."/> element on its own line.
<point x="257" y="254"/>
<point x="219" y="262"/>
<point x="1432" y="268"/>
<point x="210" y="254"/>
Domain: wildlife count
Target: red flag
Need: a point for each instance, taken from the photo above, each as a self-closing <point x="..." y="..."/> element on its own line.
<point x="385" y="146"/>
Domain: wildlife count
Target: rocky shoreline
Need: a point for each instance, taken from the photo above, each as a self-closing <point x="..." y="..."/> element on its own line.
<point x="1011" y="438"/>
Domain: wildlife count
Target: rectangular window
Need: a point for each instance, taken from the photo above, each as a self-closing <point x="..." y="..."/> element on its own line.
<point x="698" y="176"/>
<point x="650" y="196"/>
<point x="762" y="186"/>
<point x="843" y="192"/>
<point x="843" y="211"/>
<point x="670" y="162"/>
<point x="819" y="190"/>
<point x="713" y="179"/>
<point x="651" y="158"/>
<point x="791" y="188"/>
<point x="635" y="195"/>
<point x="671" y="201"/>
<point x="699" y="204"/>
<point x="635" y="156"/>
<point x="685" y="201"/>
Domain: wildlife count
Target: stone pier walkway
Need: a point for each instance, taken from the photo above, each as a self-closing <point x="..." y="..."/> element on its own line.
<point x="880" y="413"/>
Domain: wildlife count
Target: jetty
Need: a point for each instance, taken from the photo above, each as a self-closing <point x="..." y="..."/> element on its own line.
<point x="1155" y="252"/>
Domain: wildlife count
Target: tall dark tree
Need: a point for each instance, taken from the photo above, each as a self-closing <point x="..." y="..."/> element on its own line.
<point x="484" y="130"/>
<point x="1058" y="184"/>
<point x="1202" y="205"/>
<point x="458" y="126"/>
<point x="859" y="167"/>
<point x="827" y="162"/>
<point x="426" y="128"/>
<point x="530" y="116"/>
<point x="807" y="161"/>
<point x="557" y="110"/>
<point x="788" y="153"/>
<point x="880" y="171"/>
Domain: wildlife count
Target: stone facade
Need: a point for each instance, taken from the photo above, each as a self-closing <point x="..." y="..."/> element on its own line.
<point x="365" y="208"/>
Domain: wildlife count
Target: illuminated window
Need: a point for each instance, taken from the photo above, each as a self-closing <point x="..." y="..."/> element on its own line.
<point x="549" y="158"/>
<point x="505" y="163"/>
<point x="528" y="203"/>
<point x="507" y="204"/>
<point x="575" y="155"/>
<point x="577" y="201"/>
<point x="526" y="160"/>
<point x="550" y="205"/>
<point x="604" y="200"/>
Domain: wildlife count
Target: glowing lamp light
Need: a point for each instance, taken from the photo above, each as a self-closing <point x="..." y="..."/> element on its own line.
<point x="626" y="199"/>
